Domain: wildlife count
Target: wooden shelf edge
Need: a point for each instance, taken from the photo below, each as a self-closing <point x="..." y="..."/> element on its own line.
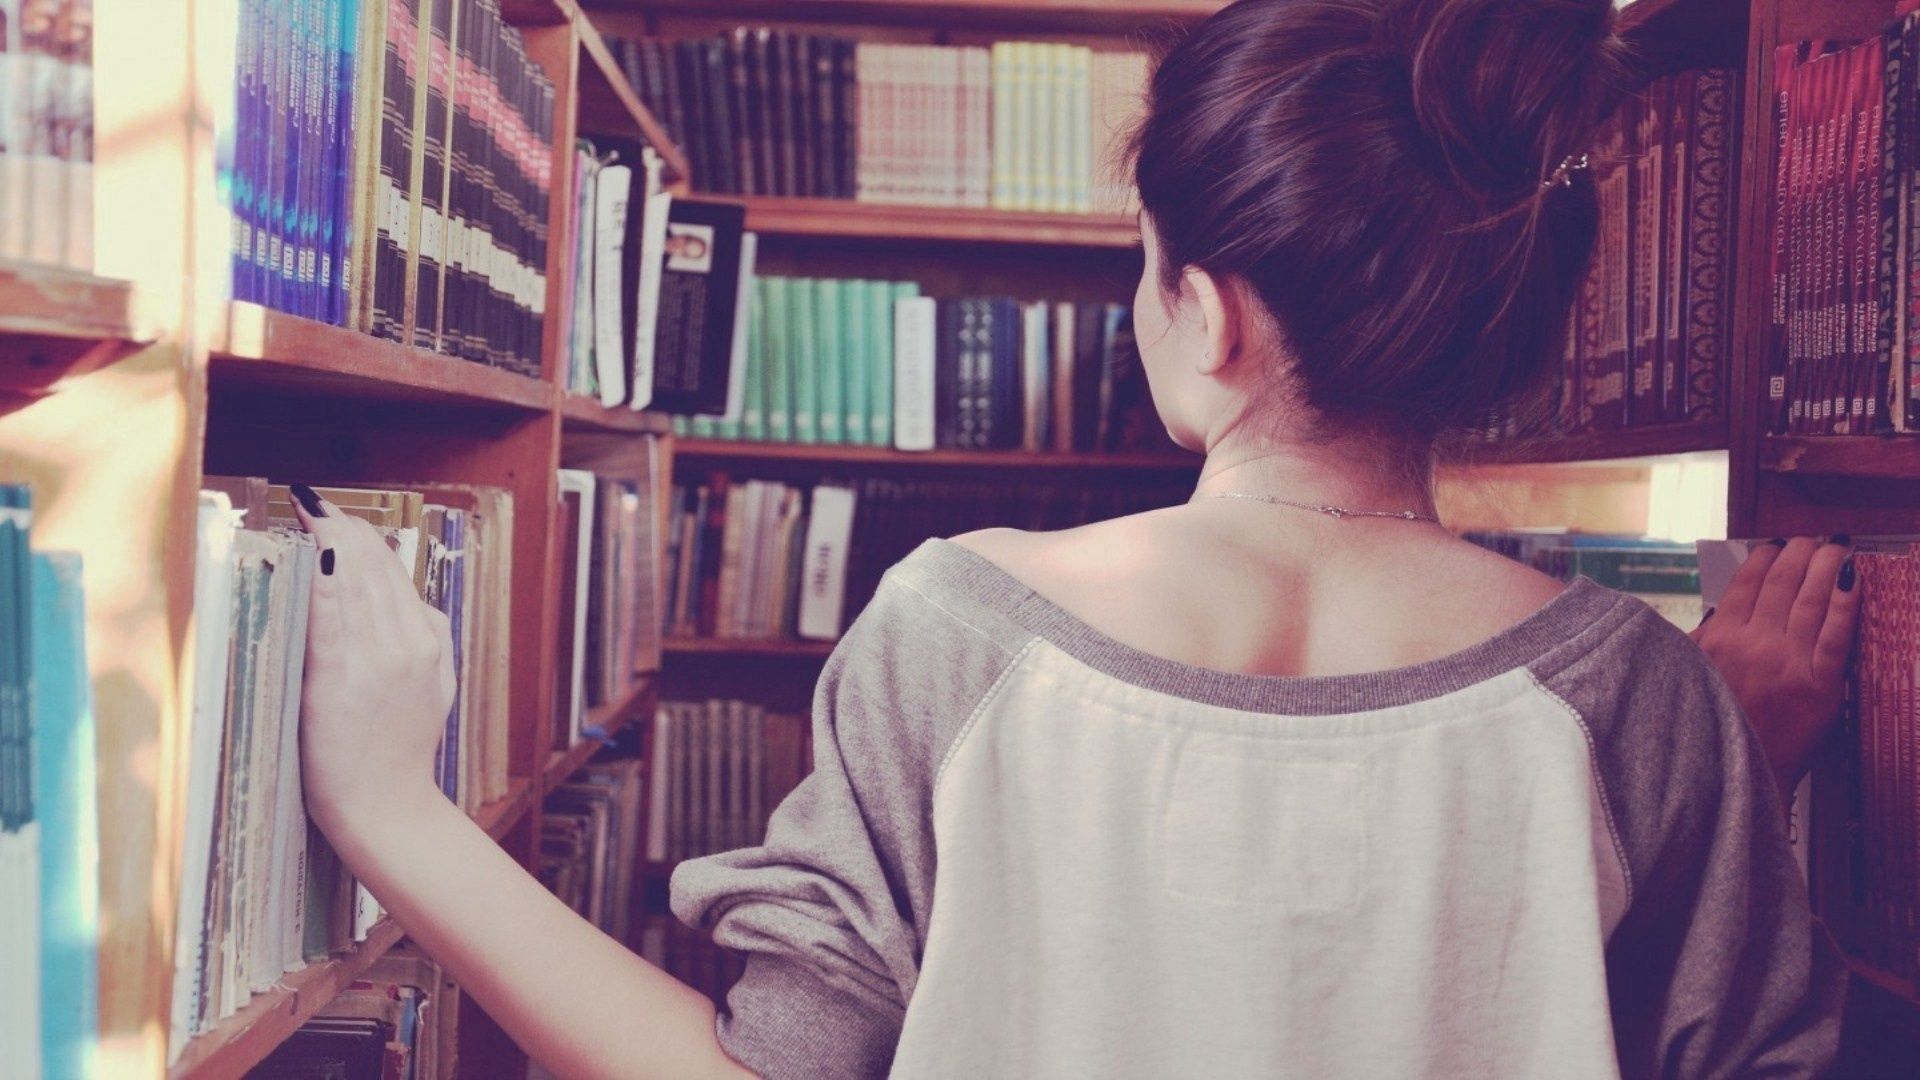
<point x="501" y="815"/>
<point x="1885" y="457"/>
<point x="589" y="413"/>
<point x="244" y="1039"/>
<point x="54" y="301"/>
<point x="729" y="450"/>
<point x="255" y="344"/>
<point x="609" y="718"/>
<point x="793" y="216"/>
<point x="613" y="80"/>
<point x="691" y="646"/>
<point x="1613" y="445"/>
<point x="1083" y="16"/>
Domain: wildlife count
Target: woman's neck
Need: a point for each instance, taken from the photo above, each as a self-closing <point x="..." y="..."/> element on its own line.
<point x="1352" y="474"/>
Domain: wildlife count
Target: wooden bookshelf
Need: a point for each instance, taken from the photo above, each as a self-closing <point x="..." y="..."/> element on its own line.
<point x="1616" y="445"/>
<point x="609" y="718"/>
<point x="764" y="647"/>
<point x="763" y="453"/>
<point x="1076" y="16"/>
<point x="502" y="814"/>
<point x="846" y="219"/>
<point x="244" y="1039"/>
<point x="1882" y="457"/>
<point x="58" y="324"/>
<point x="608" y="102"/>
<point x="587" y="414"/>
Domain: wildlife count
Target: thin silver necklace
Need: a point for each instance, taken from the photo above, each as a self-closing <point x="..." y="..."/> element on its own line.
<point x="1328" y="509"/>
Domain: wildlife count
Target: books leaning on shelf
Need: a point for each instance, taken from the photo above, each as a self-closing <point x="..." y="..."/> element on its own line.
<point x="49" y="829"/>
<point x="590" y="843"/>
<point x="874" y="363"/>
<point x="46" y="132"/>
<point x="261" y="893"/>
<point x="385" y="165"/>
<point x="610" y="559"/>
<point x="1020" y="125"/>
<point x="400" y="1019"/>
<point x="1663" y="574"/>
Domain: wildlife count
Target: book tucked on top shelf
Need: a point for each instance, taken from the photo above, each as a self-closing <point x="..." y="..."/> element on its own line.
<point x="761" y="559"/>
<point x="385" y="165"/>
<point x="652" y="317"/>
<point x="1842" y="345"/>
<point x="399" y="1021"/>
<point x="874" y="363"/>
<point x="1649" y="340"/>
<point x="608" y="573"/>
<point x="718" y="770"/>
<point x="261" y="893"/>
<point x="46" y="132"/>
<point x="1018" y="125"/>
<point x="49" y="827"/>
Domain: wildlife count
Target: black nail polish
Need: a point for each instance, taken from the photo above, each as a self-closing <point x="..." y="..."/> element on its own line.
<point x="308" y="500"/>
<point x="1704" y="618"/>
<point x="326" y="560"/>
<point x="1843" y="539"/>
<point x="1777" y="542"/>
<point x="1846" y="575"/>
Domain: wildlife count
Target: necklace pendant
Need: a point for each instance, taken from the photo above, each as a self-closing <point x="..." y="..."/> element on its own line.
<point x="1334" y="511"/>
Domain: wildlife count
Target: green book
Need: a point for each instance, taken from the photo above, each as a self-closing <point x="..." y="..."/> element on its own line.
<point x="705" y="427"/>
<point x="830" y="356"/>
<point x="1022" y="173"/>
<point x="1080" y="131"/>
<point x="779" y="361"/>
<point x="753" y="396"/>
<point x="881" y="296"/>
<point x="857" y="336"/>
<point x="681" y="427"/>
<point x="805" y="370"/>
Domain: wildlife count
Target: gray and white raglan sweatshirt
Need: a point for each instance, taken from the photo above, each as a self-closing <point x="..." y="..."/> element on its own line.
<point x="1030" y="851"/>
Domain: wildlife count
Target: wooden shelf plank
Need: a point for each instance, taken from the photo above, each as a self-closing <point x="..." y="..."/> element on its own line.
<point x="1618" y="444"/>
<point x="780" y="215"/>
<point x="585" y="412"/>
<point x="256" y="346"/>
<point x="609" y="718"/>
<point x="57" y="324"/>
<point x="500" y="816"/>
<point x="763" y="452"/>
<point x="748" y="647"/>
<point x="244" y="1039"/>
<point x="1116" y="16"/>
<point x="609" y="103"/>
<point x="1884" y="457"/>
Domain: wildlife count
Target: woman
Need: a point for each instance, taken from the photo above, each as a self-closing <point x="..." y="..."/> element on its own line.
<point x="1284" y="780"/>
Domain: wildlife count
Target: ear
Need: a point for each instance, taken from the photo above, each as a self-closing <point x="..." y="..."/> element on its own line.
<point x="1218" y="310"/>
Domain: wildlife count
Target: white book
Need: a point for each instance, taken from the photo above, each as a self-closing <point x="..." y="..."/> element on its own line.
<point x="264" y="901"/>
<point x="290" y="819"/>
<point x="581" y="483"/>
<point x="207" y="716"/>
<point x="823" y="581"/>
<point x="742" y="319"/>
<point x="610" y="209"/>
<point x="914" y="326"/>
<point x="1061" y="394"/>
<point x="657" y="786"/>
<point x="580" y="331"/>
<point x="653" y="253"/>
<point x="1033" y="370"/>
<point x="20" y="944"/>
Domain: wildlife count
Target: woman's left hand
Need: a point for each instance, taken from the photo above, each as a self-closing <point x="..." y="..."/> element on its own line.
<point x="1780" y="637"/>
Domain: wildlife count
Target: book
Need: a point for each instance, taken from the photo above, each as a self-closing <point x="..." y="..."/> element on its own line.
<point x="21" y="847"/>
<point x="700" y="278"/>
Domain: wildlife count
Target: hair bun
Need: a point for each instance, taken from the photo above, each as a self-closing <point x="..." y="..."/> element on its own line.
<point x="1506" y="89"/>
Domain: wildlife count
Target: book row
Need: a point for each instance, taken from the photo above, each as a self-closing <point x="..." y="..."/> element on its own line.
<point x="719" y="769"/>
<point x="385" y="165"/>
<point x="1845" y="237"/>
<point x="651" y="310"/>
<point x="609" y="573"/>
<point x="261" y="893"/>
<point x="1664" y="575"/>
<point x="1648" y="341"/>
<point x="875" y="363"/>
<point x="46" y="132"/>
<point x="49" y="824"/>
<point x="1018" y="125"/>
<point x="590" y="843"/>
<point x="398" y="1020"/>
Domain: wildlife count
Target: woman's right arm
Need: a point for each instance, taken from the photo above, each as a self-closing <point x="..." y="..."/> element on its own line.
<point x="573" y="998"/>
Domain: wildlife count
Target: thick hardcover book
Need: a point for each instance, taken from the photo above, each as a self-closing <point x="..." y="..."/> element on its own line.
<point x="427" y="283"/>
<point x="741" y="107"/>
<point x="1890" y="267"/>
<point x="723" y="123"/>
<point x="780" y="346"/>
<point x="1003" y="395"/>
<point x="387" y="273"/>
<point x="916" y="354"/>
<point x="830" y="354"/>
<point x="846" y="118"/>
<point x="763" y="111"/>
<point x="781" y="113"/>
<point x="1643" y="195"/>
<point x="802" y="112"/>
<point x="1604" y="382"/>
<point x="821" y="121"/>
<point x="1779" y="261"/>
<point x="804" y="374"/>
<point x="1709" y="228"/>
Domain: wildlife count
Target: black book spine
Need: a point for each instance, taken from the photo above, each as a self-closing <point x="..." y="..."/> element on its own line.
<point x="946" y="373"/>
<point x="690" y="73"/>
<point x="760" y="111"/>
<point x="846" y="117"/>
<point x="800" y="112"/>
<point x="744" y="135"/>
<point x="721" y="122"/>
<point x="436" y="68"/>
<point x="826" y="104"/>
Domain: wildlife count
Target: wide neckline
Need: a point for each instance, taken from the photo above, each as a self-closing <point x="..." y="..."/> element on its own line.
<point x="1579" y="608"/>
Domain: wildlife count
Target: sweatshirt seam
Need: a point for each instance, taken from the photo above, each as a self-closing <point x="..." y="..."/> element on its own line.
<point x="979" y="710"/>
<point x="956" y="617"/>
<point x="1599" y="784"/>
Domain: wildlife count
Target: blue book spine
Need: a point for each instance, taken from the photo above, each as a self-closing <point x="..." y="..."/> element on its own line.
<point x="245" y="189"/>
<point x="338" y="230"/>
<point x="453" y="602"/>
<point x="64" y="775"/>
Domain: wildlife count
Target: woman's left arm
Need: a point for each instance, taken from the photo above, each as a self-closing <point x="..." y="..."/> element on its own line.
<point x="378" y="683"/>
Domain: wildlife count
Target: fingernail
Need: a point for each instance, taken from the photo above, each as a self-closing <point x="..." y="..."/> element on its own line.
<point x="1777" y="542"/>
<point x="308" y="500"/>
<point x="1843" y="539"/>
<point x="326" y="561"/>
<point x="1846" y="575"/>
<point x="1704" y="618"/>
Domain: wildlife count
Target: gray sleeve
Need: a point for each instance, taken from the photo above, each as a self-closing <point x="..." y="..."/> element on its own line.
<point x="831" y="911"/>
<point x="1717" y="969"/>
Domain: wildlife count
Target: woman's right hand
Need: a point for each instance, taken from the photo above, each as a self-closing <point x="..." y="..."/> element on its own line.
<point x="379" y="676"/>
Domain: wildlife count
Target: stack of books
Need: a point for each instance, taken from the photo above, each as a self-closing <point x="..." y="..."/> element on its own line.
<point x="874" y="363"/>
<point x="49" y="828"/>
<point x="1664" y="574"/>
<point x="261" y="894"/>
<point x="1841" y="359"/>
<point x="590" y="843"/>
<point x="1020" y="125"/>
<point x="400" y="1019"/>
<point x="385" y="165"/>
<point x="46" y="133"/>
<point x="609" y="572"/>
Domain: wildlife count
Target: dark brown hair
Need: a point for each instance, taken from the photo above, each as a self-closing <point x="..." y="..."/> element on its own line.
<point x="1373" y="171"/>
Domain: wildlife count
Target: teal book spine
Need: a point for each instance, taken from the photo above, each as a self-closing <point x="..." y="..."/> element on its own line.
<point x="753" y="396"/>
<point x="779" y="361"/>
<point x="16" y="769"/>
<point x="65" y="778"/>
<point x="859" y="363"/>
<point x="831" y="357"/>
<point x="705" y="427"/>
<point x="806" y="369"/>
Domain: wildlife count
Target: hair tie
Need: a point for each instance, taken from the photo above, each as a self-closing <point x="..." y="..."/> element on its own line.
<point x="1562" y="174"/>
